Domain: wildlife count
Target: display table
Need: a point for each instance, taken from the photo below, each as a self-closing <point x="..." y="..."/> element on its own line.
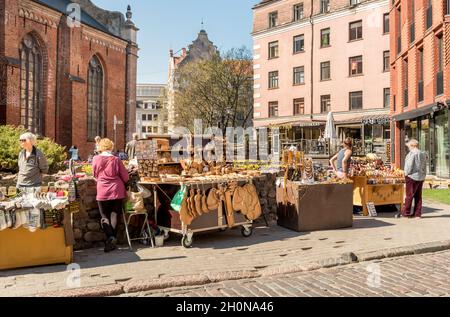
<point x="379" y="194"/>
<point x="22" y="248"/>
<point x="315" y="207"/>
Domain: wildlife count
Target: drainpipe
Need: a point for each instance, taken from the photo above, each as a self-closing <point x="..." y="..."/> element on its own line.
<point x="312" y="58"/>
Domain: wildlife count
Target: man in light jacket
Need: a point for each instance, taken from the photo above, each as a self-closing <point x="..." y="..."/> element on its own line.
<point x="415" y="172"/>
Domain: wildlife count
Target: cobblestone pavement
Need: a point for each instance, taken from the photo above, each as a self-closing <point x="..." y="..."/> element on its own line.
<point x="416" y="275"/>
<point x="221" y="255"/>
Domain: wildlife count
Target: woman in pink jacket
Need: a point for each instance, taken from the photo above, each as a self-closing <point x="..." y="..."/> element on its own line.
<point x="111" y="176"/>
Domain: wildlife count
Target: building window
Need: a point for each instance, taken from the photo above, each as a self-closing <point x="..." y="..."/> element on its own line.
<point x="324" y="6"/>
<point x="95" y="99"/>
<point x="273" y="19"/>
<point x="31" y="86"/>
<point x="386" y="23"/>
<point x="429" y="14"/>
<point x="356" y="100"/>
<point x="355" y="31"/>
<point x="325" y="103"/>
<point x="299" y="75"/>
<point x="354" y="2"/>
<point x="144" y="129"/>
<point x="299" y="106"/>
<point x="144" y="117"/>
<point x="299" y="43"/>
<point x="298" y="12"/>
<point x="273" y="80"/>
<point x="273" y="109"/>
<point x="420" y="71"/>
<point x="155" y="117"/>
<point x="273" y="49"/>
<point x="386" y="61"/>
<point x="387" y="97"/>
<point x="356" y="66"/>
<point x="440" y="70"/>
<point x="325" y="71"/>
<point x="325" y="38"/>
<point x="405" y="83"/>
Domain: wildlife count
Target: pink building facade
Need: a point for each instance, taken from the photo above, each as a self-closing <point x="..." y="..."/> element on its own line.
<point x="312" y="57"/>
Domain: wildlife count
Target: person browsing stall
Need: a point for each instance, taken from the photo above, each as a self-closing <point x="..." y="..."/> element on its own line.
<point x="32" y="163"/>
<point x="111" y="176"/>
<point x="341" y="161"/>
<point x="415" y="172"/>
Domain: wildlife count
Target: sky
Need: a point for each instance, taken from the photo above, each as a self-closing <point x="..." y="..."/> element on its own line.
<point x="174" y="24"/>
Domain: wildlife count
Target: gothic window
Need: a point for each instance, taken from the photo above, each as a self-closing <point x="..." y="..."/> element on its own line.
<point x="31" y="87"/>
<point x="95" y="99"/>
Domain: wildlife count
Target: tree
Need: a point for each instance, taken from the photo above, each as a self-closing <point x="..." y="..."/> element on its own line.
<point x="218" y="91"/>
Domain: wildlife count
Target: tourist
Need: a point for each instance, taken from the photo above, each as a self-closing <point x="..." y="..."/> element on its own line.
<point x="111" y="176"/>
<point x="96" y="147"/>
<point x="130" y="148"/>
<point x="415" y="173"/>
<point x="73" y="151"/>
<point x="341" y="161"/>
<point x="32" y="164"/>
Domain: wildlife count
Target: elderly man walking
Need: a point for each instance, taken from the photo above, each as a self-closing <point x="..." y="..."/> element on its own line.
<point x="415" y="172"/>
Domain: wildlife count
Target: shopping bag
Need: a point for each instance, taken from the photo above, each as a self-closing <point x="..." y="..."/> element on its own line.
<point x="145" y="192"/>
<point x="178" y="199"/>
<point x="135" y="202"/>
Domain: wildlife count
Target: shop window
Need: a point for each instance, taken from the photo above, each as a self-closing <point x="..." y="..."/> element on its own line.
<point x="31" y="85"/>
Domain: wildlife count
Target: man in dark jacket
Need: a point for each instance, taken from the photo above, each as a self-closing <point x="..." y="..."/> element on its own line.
<point x="130" y="149"/>
<point x="32" y="163"/>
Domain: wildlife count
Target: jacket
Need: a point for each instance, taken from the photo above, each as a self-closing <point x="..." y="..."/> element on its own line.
<point x="111" y="176"/>
<point x="31" y="168"/>
<point x="416" y="165"/>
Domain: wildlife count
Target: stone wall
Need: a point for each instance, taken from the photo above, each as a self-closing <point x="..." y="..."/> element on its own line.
<point x="86" y="223"/>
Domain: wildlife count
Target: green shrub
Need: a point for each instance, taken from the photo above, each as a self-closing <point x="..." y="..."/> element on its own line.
<point x="10" y="148"/>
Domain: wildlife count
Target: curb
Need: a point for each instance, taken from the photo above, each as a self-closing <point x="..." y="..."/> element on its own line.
<point x="209" y="278"/>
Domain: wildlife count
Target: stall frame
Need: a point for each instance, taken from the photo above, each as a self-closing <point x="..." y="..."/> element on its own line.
<point x="187" y="231"/>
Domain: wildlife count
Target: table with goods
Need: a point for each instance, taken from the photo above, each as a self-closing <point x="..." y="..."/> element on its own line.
<point x="36" y="225"/>
<point x="375" y="183"/>
<point x="311" y="198"/>
<point x="193" y="196"/>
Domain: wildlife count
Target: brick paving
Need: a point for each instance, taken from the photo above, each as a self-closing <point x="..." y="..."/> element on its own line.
<point x="415" y="275"/>
<point x="216" y="257"/>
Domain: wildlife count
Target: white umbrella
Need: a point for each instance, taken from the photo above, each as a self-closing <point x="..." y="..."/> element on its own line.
<point x="330" y="129"/>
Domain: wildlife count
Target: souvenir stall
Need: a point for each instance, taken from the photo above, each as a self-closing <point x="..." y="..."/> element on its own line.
<point x="311" y="198"/>
<point x="196" y="196"/>
<point x="36" y="226"/>
<point x="376" y="184"/>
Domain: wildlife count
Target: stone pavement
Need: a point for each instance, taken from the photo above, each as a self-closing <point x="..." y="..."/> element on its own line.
<point x="415" y="275"/>
<point x="227" y="255"/>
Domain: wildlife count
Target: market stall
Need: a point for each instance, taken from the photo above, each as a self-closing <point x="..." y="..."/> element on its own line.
<point x="192" y="196"/>
<point x="375" y="184"/>
<point x="36" y="226"/>
<point x="311" y="198"/>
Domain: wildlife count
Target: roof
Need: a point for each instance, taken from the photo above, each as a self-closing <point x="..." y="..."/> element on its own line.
<point x="61" y="6"/>
<point x="263" y="3"/>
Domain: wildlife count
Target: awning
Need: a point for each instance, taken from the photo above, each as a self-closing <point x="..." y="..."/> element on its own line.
<point x="303" y="123"/>
<point x="367" y="120"/>
<point x="419" y="112"/>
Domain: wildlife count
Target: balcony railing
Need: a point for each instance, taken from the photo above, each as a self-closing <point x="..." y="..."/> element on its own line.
<point x="429" y="17"/>
<point x="412" y="32"/>
<point x="420" y="91"/>
<point x="405" y="98"/>
<point x="439" y="83"/>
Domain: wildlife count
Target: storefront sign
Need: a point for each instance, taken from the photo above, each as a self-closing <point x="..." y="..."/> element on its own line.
<point x="372" y="210"/>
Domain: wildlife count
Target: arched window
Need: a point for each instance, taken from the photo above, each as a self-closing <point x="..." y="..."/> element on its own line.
<point x="95" y="99"/>
<point x="31" y="87"/>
